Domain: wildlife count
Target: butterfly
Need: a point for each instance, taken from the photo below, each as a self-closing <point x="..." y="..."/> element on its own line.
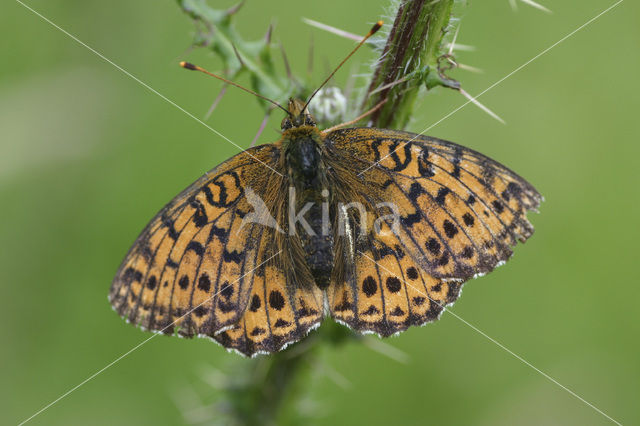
<point x="377" y="229"/>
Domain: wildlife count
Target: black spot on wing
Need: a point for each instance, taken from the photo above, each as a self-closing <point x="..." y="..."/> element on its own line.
<point x="468" y="219"/>
<point x="255" y="303"/>
<point x="221" y="233"/>
<point x="419" y="300"/>
<point x="152" y="282"/>
<point x="200" y="218"/>
<point x="412" y="273"/>
<point x="415" y="191"/>
<point x="371" y="311"/>
<point x="400" y="164"/>
<point x="258" y="331"/>
<point x="410" y="219"/>
<point x="344" y="305"/>
<point x="204" y="283"/>
<point x="276" y="300"/>
<point x="169" y="223"/>
<point x="226" y="307"/>
<point x="226" y="290"/>
<point x="393" y="284"/>
<point x="457" y="155"/>
<point x="200" y="311"/>
<point x="184" y="282"/>
<point x="130" y="275"/>
<point x="467" y="252"/>
<point x="386" y="251"/>
<point x="232" y="256"/>
<point x="433" y="246"/>
<point x="196" y="247"/>
<point x="450" y="229"/>
<point x="442" y="195"/>
<point x="369" y="286"/>
<point x="397" y="312"/>
<point x="280" y="323"/>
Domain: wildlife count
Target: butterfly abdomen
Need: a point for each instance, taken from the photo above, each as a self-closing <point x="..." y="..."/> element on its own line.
<point x="318" y="246"/>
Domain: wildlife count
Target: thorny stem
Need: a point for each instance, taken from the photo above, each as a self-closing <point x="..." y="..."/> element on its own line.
<point x="413" y="43"/>
<point x="258" y="401"/>
<point x="257" y="390"/>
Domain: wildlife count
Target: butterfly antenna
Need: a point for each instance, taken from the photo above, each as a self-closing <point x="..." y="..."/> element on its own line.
<point x="371" y="32"/>
<point x="190" y="66"/>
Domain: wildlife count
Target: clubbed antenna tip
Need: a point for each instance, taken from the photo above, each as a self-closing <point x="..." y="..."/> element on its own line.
<point x="371" y="32"/>
<point x="376" y="27"/>
<point x="188" y="65"/>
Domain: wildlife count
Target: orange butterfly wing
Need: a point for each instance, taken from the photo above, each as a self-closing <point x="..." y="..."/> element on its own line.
<point x="460" y="214"/>
<point x="197" y="270"/>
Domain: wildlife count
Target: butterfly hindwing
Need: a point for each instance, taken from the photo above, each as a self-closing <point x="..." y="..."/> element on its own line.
<point x="388" y="292"/>
<point x="279" y="312"/>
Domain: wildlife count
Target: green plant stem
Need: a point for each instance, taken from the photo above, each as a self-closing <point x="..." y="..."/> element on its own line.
<point x="258" y="402"/>
<point x="257" y="392"/>
<point x="413" y="43"/>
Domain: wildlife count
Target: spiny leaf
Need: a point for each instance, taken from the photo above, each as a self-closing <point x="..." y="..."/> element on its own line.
<point x="239" y="55"/>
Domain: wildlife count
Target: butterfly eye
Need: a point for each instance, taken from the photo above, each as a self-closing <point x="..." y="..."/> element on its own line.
<point x="286" y="124"/>
<point x="309" y="121"/>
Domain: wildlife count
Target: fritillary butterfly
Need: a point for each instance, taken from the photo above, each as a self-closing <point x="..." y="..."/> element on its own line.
<point x="200" y="268"/>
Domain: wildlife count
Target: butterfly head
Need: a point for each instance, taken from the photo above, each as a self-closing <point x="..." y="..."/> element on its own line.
<point x="299" y="116"/>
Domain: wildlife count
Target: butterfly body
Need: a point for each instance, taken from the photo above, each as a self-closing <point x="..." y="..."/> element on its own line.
<point x="261" y="249"/>
<point x="304" y="158"/>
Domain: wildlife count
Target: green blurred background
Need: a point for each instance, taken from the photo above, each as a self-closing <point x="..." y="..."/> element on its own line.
<point x="88" y="156"/>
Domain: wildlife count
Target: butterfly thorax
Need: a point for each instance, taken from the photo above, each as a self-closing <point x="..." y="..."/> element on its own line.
<point x="302" y="156"/>
<point x="303" y="159"/>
